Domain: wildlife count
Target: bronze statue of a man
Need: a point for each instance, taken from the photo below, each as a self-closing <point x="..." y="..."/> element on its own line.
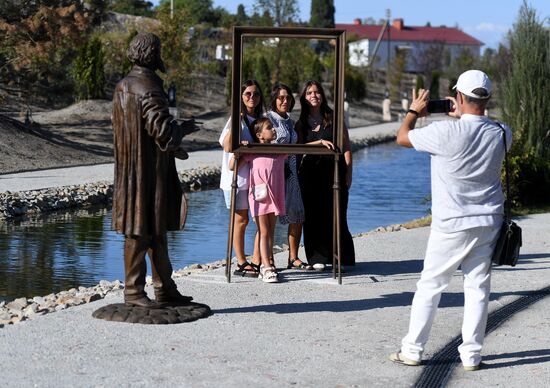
<point x="147" y="200"/>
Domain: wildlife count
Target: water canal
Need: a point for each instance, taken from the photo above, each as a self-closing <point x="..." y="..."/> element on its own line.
<point x="60" y="251"/>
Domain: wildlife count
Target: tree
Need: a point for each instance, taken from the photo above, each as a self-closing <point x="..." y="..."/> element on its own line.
<point x="434" y="85"/>
<point x="281" y="12"/>
<point x="396" y="74"/>
<point x="241" y="18"/>
<point x="430" y="60"/>
<point x="88" y="71"/>
<point x="197" y="11"/>
<point x="39" y="45"/>
<point x="464" y="61"/>
<point x="526" y="108"/>
<point x="261" y="20"/>
<point x="419" y="83"/>
<point x="179" y="50"/>
<point x="132" y="7"/>
<point x="322" y="14"/>
<point x="115" y="44"/>
<point x="293" y="71"/>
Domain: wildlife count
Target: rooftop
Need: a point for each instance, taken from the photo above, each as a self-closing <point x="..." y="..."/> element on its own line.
<point x="399" y="31"/>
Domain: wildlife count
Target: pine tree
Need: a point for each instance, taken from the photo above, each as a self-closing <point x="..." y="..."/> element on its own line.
<point x="322" y="14"/>
<point x="527" y="108"/>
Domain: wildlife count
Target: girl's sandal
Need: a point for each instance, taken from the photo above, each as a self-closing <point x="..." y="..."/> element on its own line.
<point x="244" y="272"/>
<point x="268" y="274"/>
<point x="298" y="264"/>
<point x="255" y="266"/>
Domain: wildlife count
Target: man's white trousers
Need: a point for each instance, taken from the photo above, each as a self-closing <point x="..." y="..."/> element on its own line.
<point x="471" y="250"/>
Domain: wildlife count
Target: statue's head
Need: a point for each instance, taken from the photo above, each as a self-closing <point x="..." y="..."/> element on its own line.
<point x="144" y="50"/>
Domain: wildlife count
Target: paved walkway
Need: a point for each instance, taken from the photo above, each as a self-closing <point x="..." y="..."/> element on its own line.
<point x="41" y="179"/>
<point x="306" y="331"/>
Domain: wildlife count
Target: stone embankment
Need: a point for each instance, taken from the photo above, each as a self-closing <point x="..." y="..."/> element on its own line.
<point x="16" y="204"/>
<point x="21" y="309"/>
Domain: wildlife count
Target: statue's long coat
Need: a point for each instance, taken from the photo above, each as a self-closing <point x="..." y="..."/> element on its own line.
<point x="147" y="196"/>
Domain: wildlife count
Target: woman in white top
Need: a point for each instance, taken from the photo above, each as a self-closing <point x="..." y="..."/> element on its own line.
<point x="252" y="107"/>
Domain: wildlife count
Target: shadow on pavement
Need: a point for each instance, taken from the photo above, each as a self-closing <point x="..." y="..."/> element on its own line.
<point x="448" y="299"/>
<point x="525" y="358"/>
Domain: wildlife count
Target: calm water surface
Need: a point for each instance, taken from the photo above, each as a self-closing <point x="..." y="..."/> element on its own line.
<point x="390" y="185"/>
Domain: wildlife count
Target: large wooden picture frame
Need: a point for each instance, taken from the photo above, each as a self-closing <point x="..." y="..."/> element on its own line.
<point x="239" y="35"/>
<point x="339" y="39"/>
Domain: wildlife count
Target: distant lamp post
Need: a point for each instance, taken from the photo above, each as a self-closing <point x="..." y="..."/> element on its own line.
<point x="172" y="95"/>
<point x="172" y="101"/>
<point x="388" y="16"/>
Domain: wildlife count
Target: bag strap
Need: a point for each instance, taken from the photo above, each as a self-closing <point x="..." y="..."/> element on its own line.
<point x="507" y="210"/>
<point x="247" y="123"/>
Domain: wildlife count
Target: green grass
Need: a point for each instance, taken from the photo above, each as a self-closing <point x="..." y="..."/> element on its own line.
<point x="524" y="211"/>
<point x="418" y="223"/>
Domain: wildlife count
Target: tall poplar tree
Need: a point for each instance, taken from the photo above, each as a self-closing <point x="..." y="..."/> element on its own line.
<point x="526" y="109"/>
<point x="322" y="14"/>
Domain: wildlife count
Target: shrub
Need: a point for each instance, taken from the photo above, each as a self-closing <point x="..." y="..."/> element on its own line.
<point x="355" y="85"/>
<point x="88" y="72"/>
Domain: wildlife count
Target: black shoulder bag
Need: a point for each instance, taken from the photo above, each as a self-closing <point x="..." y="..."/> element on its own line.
<point x="509" y="240"/>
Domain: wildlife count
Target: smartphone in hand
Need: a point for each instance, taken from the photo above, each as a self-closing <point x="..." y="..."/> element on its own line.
<point x="440" y="106"/>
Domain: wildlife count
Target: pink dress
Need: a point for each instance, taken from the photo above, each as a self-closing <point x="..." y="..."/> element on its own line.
<point x="268" y="169"/>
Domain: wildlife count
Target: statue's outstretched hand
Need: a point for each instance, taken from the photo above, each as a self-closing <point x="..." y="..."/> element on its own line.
<point x="180" y="153"/>
<point x="188" y="126"/>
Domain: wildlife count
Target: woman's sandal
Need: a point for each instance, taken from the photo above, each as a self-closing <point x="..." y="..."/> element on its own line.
<point x="268" y="274"/>
<point x="247" y="273"/>
<point x="292" y="264"/>
<point x="255" y="266"/>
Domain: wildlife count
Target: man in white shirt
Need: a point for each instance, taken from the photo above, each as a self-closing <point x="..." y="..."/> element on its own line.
<point x="467" y="211"/>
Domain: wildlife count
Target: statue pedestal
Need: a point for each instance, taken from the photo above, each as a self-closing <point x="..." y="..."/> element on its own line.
<point x="171" y="314"/>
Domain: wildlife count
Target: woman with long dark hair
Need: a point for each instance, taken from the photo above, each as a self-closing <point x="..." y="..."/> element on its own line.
<point x="252" y="108"/>
<point x="315" y="126"/>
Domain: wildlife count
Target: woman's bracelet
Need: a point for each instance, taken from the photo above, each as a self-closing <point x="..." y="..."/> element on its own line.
<point x="413" y="112"/>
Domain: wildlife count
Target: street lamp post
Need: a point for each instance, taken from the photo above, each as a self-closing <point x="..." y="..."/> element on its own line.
<point x="388" y="15"/>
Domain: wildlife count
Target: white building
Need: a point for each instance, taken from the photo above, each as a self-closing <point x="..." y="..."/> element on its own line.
<point x="416" y="40"/>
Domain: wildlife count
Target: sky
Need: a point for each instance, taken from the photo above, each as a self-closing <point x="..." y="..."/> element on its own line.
<point x="485" y="20"/>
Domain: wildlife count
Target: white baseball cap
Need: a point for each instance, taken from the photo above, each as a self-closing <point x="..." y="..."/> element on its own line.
<point x="471" y="80"/>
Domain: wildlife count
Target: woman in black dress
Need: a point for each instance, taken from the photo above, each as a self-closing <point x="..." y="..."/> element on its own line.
<point x="317" y="178"/>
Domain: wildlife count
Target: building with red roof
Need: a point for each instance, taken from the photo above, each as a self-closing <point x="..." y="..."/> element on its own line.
<point x="449" y="42"/>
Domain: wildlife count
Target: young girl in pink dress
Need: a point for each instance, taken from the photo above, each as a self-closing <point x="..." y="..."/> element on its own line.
<point x="267" y="193"/>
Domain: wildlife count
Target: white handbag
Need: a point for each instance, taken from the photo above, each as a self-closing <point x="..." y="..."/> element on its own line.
<point x="259" y="192"/>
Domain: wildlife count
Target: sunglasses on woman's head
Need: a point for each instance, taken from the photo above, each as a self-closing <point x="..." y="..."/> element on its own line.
<point x="251" y="94"/>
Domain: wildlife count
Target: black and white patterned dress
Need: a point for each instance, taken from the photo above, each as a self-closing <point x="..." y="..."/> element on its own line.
<point x="293" y="200"/>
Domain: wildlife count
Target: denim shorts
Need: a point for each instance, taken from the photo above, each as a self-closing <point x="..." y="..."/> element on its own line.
<point x="241" y="200"/>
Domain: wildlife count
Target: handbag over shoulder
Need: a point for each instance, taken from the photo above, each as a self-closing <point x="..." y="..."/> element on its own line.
<point x="509" y="240"/>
